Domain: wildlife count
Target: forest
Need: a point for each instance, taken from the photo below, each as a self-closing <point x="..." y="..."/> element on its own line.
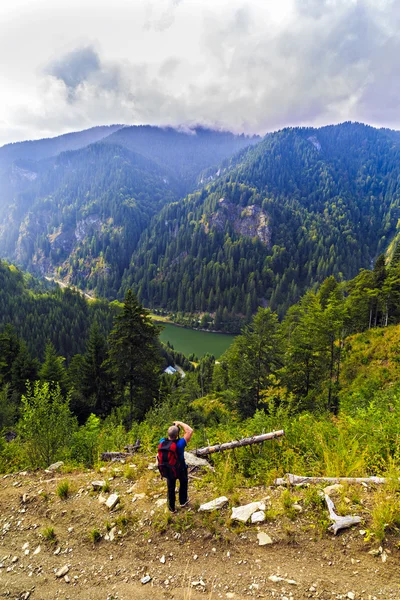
<point x="327" y="372"/>
<point x="241" y="223"/>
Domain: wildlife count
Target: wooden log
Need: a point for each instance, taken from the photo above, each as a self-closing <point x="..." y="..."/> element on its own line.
<point x="130" y="450"/>
<point x="105" y="456"/>
<point x="256" y="439"/>
<point x="301" y="480"/>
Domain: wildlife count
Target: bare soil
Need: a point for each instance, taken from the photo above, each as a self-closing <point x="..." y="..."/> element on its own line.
<point x="206" y="555"/>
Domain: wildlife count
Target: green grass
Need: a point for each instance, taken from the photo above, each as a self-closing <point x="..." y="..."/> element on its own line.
<point x="63" y="490"/>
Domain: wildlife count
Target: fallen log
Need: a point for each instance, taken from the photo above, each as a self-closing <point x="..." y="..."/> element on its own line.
<point x="291" y="479"/>
<point x="256" y="439"/>
<point x="130" y="450"/>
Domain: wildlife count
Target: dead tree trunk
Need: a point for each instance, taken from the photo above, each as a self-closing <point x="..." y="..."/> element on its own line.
<point x="131" y="449"/>
<point x="256" y="439"/>
<point x="300" y="480"/>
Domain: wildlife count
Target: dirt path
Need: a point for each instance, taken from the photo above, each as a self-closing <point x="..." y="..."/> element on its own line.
<point x="188" y="557"/>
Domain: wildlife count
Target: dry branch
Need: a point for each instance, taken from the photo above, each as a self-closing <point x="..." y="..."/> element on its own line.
<point x="290" y="479"/>
<point x="256" y="439"/>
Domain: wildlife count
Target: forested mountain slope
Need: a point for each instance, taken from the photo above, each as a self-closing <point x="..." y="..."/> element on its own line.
<point x="301" y="205"/>
<point x="38" y="314"/>
<point x="82" y="212"/>
<point x="185" y="154"/>
<point x="45" y="148"/>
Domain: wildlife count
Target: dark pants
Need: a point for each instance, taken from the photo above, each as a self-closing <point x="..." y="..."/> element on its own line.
<point x="183" y="488"/>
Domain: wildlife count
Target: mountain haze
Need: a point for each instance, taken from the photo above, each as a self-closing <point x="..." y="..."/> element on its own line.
<point x="82" y="211"/>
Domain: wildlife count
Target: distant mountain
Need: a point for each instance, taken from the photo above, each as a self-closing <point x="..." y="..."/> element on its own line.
<point x="82" y="212"/>
<point x="301" y="205"/>
<point x="39" y="149"/>
<point x="185" y="154"/>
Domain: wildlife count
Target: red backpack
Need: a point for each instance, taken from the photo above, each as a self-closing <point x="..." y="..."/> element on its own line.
<point x="168" y="459"/>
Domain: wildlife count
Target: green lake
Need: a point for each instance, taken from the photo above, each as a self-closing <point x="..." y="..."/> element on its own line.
<point x="191" y="341"/>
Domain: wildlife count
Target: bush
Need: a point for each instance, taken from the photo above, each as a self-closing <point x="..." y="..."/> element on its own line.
<point x="47" y="424"/>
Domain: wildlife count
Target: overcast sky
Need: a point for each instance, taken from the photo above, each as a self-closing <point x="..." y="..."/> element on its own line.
<point x="245" y="65"/>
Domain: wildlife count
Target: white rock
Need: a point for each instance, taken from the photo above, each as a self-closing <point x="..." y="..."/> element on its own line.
<point x="112" y="501"/>
<point x="61" y="572"/>
<point x="351" y="595"/>
<point x="263" y="539"/>
<point x="258" y="517"/>
<point x="25" y="546"/>
<point x="55" y="466"/>
<point x="199" y="582"/>
<point x="195" y="461"/>
<point x="243" y="513"/>
<point x="140" y="496"/>
<point x="66" y="579"/>
<point x="161" y="502"/>
<point x="214" y="504"/>
<point x="56" y="552"/>
<point x="102" y="499"/>
<point x="297" y="507"/>
<point x="145" y="579"/>
<point x="162" y="559"/>
<point x="98" y="484"/>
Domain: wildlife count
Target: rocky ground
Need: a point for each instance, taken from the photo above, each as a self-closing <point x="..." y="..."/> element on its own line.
<point x="77" y="547"/>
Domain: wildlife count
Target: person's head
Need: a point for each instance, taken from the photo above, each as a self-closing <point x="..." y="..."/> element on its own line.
<point x="173" y="432"/>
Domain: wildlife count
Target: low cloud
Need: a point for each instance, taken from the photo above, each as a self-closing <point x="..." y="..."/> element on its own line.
<point x="327" y="61"/>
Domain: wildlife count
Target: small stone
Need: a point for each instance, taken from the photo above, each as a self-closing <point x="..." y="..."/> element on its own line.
<point x="263" y="539"/>
<point x="258" y="517"/>
<point x="195" y="557"/>
<point x="200" y="582"/>
<point x="62" y="572"/>
<point x="70" y="529"/>
<point x="56" y="552"/>
<point x="162" y="559"/>
<point x="14" y="559"/>
<point x="55" y="466"/>
<point x="25" y="546"/>
<point x="243" y="513"/>
<point x="66" y="579"/>
<point x="102" y="499"/>
<point x="112" y="501"/>
<point x="145" y="579"/>
<point x="351" y="595"/>
<point x="37" y="550"/>
<point x="214" y="504"/>
<point x="161" y="502"/>
<point x="98" y="484"/>
<point x="332" y="490"/>
<point x="297" y="508"/>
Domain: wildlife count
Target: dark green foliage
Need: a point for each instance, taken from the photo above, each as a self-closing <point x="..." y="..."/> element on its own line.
<point x="39" y="315"/>
<point x="134" y="357"/>
<point x="252" y="360"/>
<point x="302" y="205"/>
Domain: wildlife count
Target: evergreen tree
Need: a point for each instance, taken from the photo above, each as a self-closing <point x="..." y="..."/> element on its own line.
<point x="134" y="356"/>
<point x="53" y="370"/>
<point x="252" y="360"/>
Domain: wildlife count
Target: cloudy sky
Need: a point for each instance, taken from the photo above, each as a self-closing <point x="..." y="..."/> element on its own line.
<point x="246" y="65"/>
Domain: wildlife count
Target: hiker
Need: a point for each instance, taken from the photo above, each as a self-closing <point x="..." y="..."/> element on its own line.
<point x="171" y="462"/>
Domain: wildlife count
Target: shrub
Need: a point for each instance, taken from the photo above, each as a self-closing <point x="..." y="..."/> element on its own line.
<point x="49" y="535"/>
<point x="63" y="490"/>
<point x="46" y="424"/>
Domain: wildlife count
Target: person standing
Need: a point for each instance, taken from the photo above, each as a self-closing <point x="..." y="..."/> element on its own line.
<point x="171" y="462"/>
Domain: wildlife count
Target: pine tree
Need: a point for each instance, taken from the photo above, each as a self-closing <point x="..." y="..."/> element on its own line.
<point x="134" y="357"/>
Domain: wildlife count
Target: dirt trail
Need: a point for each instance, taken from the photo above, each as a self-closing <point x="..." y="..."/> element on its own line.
<point x="189" y="557"/>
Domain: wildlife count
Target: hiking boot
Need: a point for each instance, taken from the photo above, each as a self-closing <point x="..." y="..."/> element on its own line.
<point x="186" y="503"/>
